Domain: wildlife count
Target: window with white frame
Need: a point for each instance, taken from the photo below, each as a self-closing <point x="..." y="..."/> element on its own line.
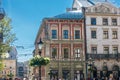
<point x="94" y="50"/>
<point x="105" y="21"/>
<point x="65" y="34"/>
<point x="54" y="53"/>
<point x="115" y="49"/>
<point x="93" y="34"/>
<point x="77" y="34"/>
<point x="105" y="34"/>
<point x="93" y="21"/>
<point x="54" y="34"/>
<point x="114" y="34"/>
<point x="77" y="53"/>
<point x="106" y="50"/>
<point x="114" y="22"/>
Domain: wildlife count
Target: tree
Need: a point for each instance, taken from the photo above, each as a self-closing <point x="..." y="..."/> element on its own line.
<point x="7" y="37"/>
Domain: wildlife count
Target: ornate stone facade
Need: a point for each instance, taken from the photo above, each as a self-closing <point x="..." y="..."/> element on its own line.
<point x="66" y="53"/>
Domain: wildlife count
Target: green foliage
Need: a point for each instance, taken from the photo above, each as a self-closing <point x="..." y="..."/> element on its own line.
<point x="39" y="61"/>
<point x="7" y="35"/>
<point x="10" y="75"/>
<point x="91" y="68"/>
<point x="1" y="65"/>
<point x="6" y="38"/>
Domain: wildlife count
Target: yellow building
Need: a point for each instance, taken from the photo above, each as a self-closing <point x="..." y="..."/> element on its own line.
<point x="9" y="68"/>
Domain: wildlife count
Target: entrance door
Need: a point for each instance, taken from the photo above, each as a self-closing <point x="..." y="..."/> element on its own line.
<point x="66" y="74"/>
<point x="54" y="75"/>
<point x="78" y="75"/>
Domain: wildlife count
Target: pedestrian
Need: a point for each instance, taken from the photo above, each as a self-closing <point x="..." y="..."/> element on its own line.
<point x="106" y="78"/>
<point x="59" y="78"/>
<point x="111" y="77"/>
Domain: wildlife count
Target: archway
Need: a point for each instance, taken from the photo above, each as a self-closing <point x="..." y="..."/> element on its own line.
<point x="104" y="72"/>
<point x="115" y="70"/>
<point x="53" y="74"/>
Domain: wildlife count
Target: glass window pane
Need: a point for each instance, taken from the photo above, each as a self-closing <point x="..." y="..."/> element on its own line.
<point x="105" y="34"/>
<point x="77" y="34"/>
<point x="93" y="21"/>
<point x="93" y="50"/>
<point x="65" y="52"/>
<point x="54" y="52"/>
<point x="54" y="34"/>
<point x="115" y="50"/>
<point x="114" y="34"/>
<point x="77" y="53"/>
<point x="105" y="21"/>
<point x="106" y="50"/>
<point x="114" y="22"/>
<point x="65" y="34"/>
<point x="93" y="34"/>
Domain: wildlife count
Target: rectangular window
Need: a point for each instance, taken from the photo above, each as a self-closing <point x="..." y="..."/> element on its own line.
<point x="65" y="34"/>
<point x="93" y="34"/>
<point x="105" y="21"/>
<point x="20" y="68"/>
<point x="114" y="22"/>
<point x="114" y="34"/>
<point x="66" y="53"/>
<point x="115" y="50"/>
<point x="77" y="34"/>
<point x="106" y="50"/>
<point x="105" y="35"/>
<point x="93" y="21"/>
<point x="54" y="52"/>
<point x="77" y="53"/>
<point x="20" y="73"/>
<point x="93" y="50"/>
<point x="54" y="34"/>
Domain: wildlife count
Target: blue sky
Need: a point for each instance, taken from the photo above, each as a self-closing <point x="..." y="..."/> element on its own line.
<point x="26" y="18"/>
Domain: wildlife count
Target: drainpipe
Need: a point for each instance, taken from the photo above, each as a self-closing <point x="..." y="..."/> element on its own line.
<point x="85" y="44"/>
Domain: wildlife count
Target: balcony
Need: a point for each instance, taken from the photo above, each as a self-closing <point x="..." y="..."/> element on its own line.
<point x="103" y="56"/>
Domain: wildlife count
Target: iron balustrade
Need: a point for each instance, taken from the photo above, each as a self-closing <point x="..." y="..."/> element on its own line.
<point x="103" y="56"/>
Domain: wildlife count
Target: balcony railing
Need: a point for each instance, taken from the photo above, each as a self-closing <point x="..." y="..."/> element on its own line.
<point x="103" y="56"/>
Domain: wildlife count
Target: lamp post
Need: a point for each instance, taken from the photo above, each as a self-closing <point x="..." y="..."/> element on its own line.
<point x="91" y="63"/>
<point x="40" y="45"/>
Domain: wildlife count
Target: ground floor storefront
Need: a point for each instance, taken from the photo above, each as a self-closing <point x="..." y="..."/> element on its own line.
<point x="103" y="75"/>
<point x="71" y="70"/>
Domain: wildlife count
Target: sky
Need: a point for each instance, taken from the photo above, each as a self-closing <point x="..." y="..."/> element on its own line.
<point x="26" y="18"/>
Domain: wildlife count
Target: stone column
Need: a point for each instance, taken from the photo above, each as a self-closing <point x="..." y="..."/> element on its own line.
<point x="59" y="63"/>
<point x="60" y="71"/>
<point x="72" y="71"/>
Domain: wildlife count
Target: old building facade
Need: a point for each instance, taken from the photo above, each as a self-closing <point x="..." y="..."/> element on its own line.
<point x="103" y="37"/>
<point x="63" y="37"/>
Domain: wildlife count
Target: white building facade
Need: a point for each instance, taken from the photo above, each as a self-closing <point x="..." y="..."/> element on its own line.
<point x="102" y="36"/>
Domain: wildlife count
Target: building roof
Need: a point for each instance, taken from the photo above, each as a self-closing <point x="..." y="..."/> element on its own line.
<point x="82" y="3"/>
<point x="70" y="15"/>
<point x="85" y="3"/>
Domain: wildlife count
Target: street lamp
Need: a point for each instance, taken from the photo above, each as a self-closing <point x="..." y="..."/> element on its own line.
<point x="90" y="68"/>
<point x="40" y="45"/>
